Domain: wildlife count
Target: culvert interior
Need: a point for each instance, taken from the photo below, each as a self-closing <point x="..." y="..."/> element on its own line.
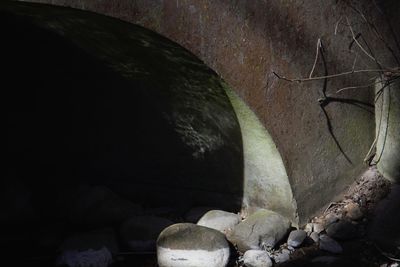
<point x="107" y="121"/>
<point x="91" y="129"/>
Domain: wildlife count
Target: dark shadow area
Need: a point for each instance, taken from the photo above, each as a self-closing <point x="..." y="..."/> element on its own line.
<point x="89" y="146"/>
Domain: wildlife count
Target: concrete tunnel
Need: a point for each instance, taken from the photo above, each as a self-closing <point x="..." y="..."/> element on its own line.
<point x="96" y="102"/>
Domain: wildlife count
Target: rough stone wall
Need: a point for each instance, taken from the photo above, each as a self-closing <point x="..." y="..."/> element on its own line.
<point x="245" y="41"/>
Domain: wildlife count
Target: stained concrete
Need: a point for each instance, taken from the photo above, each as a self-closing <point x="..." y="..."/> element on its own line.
<point x="245" y="41"/>
<point x="387" y="116"/>
<point x="95" y="100"/>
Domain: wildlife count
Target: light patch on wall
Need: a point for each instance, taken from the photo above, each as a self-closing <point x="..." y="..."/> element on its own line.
<point x="266" y="183"/>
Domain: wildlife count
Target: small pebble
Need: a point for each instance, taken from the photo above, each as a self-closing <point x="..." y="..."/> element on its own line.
<point x="296" y="238"/>
<point x="256" y="258"/>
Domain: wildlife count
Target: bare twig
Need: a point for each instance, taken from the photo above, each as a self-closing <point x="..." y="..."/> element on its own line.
<point x="374" y="29"/>
<point x="356" y="87"/>
<point x="354" y="62"/>
<point x="328" y="76"/>
<point x="356" y="41"/>
<point x="337" y="24"/>
<point x="387" y="255"/>
<point x="369" y="155"/>
<point x="316" y="57"/>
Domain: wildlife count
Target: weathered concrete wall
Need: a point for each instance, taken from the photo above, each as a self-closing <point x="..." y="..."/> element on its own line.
<point x="387" y="114"/>
<point x="94" y="100"/>
<point x="244" y="41"/>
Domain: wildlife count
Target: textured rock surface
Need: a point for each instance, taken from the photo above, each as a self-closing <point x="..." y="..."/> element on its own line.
<point x="190" y="245"/>
<point x="219" y="220"/>
<point x="140" y="233"/>
<point x="264" y="228"/>
<point x="256" y="258"/>
<point x="296" y="238"/>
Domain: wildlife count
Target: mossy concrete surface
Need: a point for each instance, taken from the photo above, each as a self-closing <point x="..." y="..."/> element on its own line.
<point x="246" y="41"/>
<point x="93" y="99"/>
<point x="266" y="183"/>
<point x="387" y="113"/>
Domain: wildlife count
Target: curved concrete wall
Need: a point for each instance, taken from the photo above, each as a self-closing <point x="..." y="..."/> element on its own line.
<point x="387" y="113"/>
<point x="244" y="41"/>
<point x="98" y="101"/>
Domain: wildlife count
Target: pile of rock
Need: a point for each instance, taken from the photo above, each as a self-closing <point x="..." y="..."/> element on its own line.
<point x="207" y="242"/>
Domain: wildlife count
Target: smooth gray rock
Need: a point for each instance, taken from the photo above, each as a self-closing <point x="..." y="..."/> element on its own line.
<point x="100" y="206"/>
<point x="262" y="229"/>
<point x="296" y="238"/>
<point x="191" y="245"/>
<point x="219" y="220"/>
<point x="328" y="244"/>
<point x="342" y="230"/>
<point x="140" y="233"/>
<point x="256" y="258"/>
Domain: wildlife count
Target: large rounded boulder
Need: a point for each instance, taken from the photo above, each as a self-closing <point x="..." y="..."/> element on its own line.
<point x="191" y="245"/>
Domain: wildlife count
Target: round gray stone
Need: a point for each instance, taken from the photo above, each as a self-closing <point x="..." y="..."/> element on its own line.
<point x="219" y="220"/>
<point x="262" y="229"/>
<point x="256" y="258"/>
<point x="191" y="245"/>
<point x="296" y="238"/>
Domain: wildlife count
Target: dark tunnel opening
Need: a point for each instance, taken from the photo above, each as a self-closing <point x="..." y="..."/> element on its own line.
<point x="89" y="146"/>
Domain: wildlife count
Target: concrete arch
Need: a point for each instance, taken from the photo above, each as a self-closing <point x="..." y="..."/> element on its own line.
<point x="244" y="42"/>
<point x="142" y="116"/>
